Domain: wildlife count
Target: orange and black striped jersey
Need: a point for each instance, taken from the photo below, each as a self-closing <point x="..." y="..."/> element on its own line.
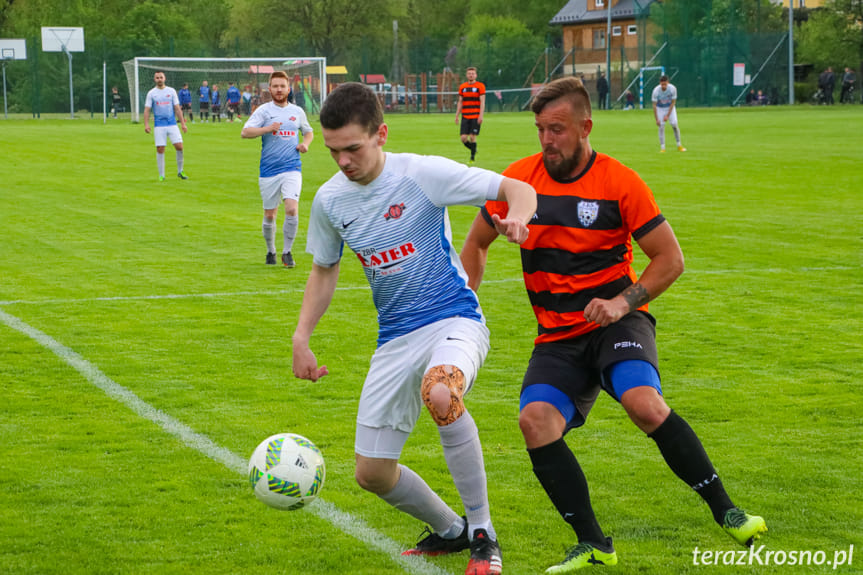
<point x="470" y="93"/>
<point x="580" y="242"/>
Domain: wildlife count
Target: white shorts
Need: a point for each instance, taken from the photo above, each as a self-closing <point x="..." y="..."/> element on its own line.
<point x="391" y="401"/>
<point x="162" y="133"/>
<point x="284" y="186"/>
<point x="660" y="116"/>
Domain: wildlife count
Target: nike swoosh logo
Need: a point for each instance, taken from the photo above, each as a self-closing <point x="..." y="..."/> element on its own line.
<point x="345" y="225"/>
<point x="454" y="339"/>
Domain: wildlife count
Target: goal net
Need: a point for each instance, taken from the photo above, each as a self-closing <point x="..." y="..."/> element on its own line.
<point x="308" y="78"/>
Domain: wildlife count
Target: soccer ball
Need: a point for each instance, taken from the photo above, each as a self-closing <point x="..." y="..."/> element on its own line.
<point x="287" y="471"/>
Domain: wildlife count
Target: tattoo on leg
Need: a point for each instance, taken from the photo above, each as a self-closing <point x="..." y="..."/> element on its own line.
<point x="453" y="378"/>
<point x="636" y="296"/>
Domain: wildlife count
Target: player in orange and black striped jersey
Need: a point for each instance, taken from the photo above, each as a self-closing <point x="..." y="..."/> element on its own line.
<point x="471" y="107"/>
<point x="595" y="331"/>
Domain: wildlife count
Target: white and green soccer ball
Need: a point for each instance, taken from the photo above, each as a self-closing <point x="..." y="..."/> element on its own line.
<point x="287" y="471"/>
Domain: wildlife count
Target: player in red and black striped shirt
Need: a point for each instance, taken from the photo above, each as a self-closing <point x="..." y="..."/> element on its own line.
<point x="594" y="328"/>
<point x="471" y="106"/>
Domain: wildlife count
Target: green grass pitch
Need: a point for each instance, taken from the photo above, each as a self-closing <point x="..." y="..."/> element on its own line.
<point x="115" y="286"/>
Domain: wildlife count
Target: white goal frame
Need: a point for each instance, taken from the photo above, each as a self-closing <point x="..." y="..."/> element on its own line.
<point x="177" y="64"/>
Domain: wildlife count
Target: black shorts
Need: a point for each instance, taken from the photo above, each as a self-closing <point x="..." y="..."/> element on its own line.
<point x="185" y="107"/>
<point x="204" y="106"/>
<point x="469" y="126"/>
<point x="576" y="366"/>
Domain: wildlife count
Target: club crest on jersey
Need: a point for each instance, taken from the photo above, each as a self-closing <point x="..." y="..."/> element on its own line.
<point x="587" y="212"/>
<point x="395" y="212"/>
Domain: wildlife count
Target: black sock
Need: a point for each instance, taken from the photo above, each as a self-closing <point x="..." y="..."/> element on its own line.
<point x="472" y="150"/>
<point x="563" y="480"/>
<point x="686" y="457"/>
<point x="466" y="144"/>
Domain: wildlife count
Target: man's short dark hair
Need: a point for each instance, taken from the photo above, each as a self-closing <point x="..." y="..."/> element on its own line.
<point x="570" y="88"/>
<point x="352" y="103"/>
<point x="663" y="78"/>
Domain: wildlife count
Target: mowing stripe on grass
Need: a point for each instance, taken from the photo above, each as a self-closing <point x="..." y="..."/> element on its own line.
<point x="365" y="287"/>
<point x="341" y="520"/>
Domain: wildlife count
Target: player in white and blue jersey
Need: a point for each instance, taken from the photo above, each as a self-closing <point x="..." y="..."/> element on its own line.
<point x="204" y="102"/>
<point x="285" y="134"/>
<point x="664" y="99"/>
<point x="391" y="211"/>
<point x="165" y="105"/>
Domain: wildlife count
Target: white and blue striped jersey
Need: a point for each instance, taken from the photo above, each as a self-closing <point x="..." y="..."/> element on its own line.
<point x="279" y="149"/>
<point x="663" y="98"/>
<point x="399" y="229"/>
<point x="162" y="103"/>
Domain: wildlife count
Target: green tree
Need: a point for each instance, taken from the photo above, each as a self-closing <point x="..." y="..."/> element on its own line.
<point x="832" y="36"/>
<point x="712" y="18"/>
<point x="502" y="48"/>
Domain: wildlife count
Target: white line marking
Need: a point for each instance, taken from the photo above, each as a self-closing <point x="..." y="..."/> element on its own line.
<point x="365" y="287"/>
<point x="341" y="520"/>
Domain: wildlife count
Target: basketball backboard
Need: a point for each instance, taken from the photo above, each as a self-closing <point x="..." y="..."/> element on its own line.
<point x="58" y="39"/>
<point x="13" y="49"/>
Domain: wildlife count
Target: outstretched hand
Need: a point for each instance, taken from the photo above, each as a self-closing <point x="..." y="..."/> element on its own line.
<point x="514" y="230"/>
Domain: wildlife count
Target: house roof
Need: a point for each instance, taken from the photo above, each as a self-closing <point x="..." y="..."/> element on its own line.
<point x="336" y="70"/>
<point x="373" y="78"/>
<point x="254" y="69"/>
<point x="576" y="12"/>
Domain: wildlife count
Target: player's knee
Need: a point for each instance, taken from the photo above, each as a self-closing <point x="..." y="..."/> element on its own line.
<point x="375" y="479"/>
<point x="645" y="407"/>
<point x="540" y="423"/>
<point x="442" y="389"/>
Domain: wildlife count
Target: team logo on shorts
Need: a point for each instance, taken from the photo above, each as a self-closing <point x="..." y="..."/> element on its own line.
<point x="395" y="212"/>
<point x="587" y="212"/>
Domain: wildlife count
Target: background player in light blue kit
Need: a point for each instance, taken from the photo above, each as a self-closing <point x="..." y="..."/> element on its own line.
<point x="216" y="103"/>
<point x="233" y="98"/>
<point x="280" y="124"/>
<point x="665" y="110"/>
<point x="204" y="101"/>
<point x="391" y="210"/>
<point x="186" y="101"/>
<point x="165" y="104"/>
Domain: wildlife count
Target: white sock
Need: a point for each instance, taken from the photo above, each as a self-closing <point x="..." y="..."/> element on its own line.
<point x="160" y="162"/>
<point x="662" y="136"/>
<point x="676" y="134"/>
<point x="179" y="161"/>
<point x="463" y="454"/>
<point x="413" y="496"/>
<point x="289" y="230"/>
<point x="269" y="228"/>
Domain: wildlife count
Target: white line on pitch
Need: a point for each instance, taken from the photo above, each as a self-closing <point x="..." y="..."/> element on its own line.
<point x="342" y="520"/>
<point x="365" y="287"/>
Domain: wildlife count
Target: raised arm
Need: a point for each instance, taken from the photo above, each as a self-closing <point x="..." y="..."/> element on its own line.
<point x="521" y="200"/>
<point x="666" y="265"/>
<point x="252" y="132"/>
<point x="320" y="288"/>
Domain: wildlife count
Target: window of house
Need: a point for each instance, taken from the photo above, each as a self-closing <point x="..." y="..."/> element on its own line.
<point x="598" y="38"/>
<point x="616" y="31"/>
<point x="601" y="3"/>
<point x="632" y="29"/>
